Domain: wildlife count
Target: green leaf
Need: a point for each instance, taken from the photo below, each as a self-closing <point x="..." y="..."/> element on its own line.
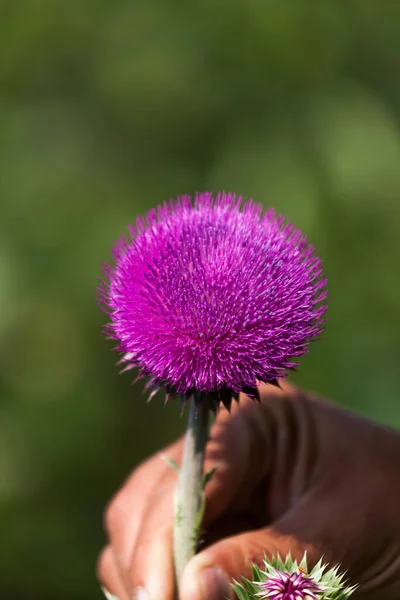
<point x="171" y="462"/>
<point x="207" y="477"/>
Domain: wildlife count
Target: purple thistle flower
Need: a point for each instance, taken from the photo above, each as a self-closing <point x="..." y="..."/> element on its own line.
<point x="212" y="296"/>
<point x="289" y="586"/>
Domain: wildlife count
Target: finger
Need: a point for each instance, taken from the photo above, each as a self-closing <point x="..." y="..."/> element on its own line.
<point x="227" y="527"/>
<point x="241" y="447"/>
<point x="127" y="510"/>
<point x="209" y="575"/>
<point x="152" y="570"/>
<point x="231" y="446"/>
<point x="109" y="576"/>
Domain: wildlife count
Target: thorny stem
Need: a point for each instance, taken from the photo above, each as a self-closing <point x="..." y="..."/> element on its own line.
<point x="189" y="496"/>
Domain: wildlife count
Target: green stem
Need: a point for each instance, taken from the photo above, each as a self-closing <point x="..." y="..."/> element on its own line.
<point x="189" y="497"/>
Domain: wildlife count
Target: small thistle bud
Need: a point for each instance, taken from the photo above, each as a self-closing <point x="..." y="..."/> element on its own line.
<point x="289" y="586"/>
<point x="286" y="580"/>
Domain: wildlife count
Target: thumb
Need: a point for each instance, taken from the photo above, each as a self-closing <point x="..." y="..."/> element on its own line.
<point x="209" y="575"/>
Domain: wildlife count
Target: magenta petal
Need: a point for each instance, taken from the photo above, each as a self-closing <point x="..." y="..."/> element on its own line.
<point x="289" y="586"/>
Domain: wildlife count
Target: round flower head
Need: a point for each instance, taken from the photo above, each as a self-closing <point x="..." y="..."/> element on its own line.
<point x="212" y="296"/>
<point x="285" y="579"/>
<point x="289" y="586"/>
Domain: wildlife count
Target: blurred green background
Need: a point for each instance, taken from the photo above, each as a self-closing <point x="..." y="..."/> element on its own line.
<point x="108" y="108"/>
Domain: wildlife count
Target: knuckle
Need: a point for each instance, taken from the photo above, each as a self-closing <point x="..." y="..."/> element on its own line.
<point x="117" y="510"/>
<point x="115" y="513"/>
<point x="160" y="538"/>
<point x="103" y="564"/>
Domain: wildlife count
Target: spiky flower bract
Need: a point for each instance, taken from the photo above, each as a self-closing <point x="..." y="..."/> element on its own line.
<point x="213" y="295"/>
<point x="287" y="580"/>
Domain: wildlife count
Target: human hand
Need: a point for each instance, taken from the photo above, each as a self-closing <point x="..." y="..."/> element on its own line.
<point x="295" y="473"/>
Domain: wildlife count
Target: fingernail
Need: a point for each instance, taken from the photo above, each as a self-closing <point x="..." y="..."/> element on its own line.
<point x="108" y="595"/>
<point x="140" y="594"/>
<point x="214" y="584"/>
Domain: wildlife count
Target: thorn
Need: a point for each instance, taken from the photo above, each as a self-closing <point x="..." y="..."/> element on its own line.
<point x="275" y="383"/>
<point x="126" y="358"/>
<point x="198" y="397"/>
<point x="127" y="367"/>
<point x="235" y="396"/>
<point x="151" y="383"/>
<point x="213" y="402"/>
<point x="152" y="394"/>
<point x="251" y="392"/>
<point x="183" y="403"/>
<point x="138" y="377"/>
<point x="226" y="397"/>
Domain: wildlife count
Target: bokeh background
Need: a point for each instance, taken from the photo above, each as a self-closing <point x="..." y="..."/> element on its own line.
<point x="106" y="109"/>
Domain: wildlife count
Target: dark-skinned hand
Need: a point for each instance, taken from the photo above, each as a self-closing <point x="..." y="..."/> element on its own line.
<point x="295" y="473"/>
